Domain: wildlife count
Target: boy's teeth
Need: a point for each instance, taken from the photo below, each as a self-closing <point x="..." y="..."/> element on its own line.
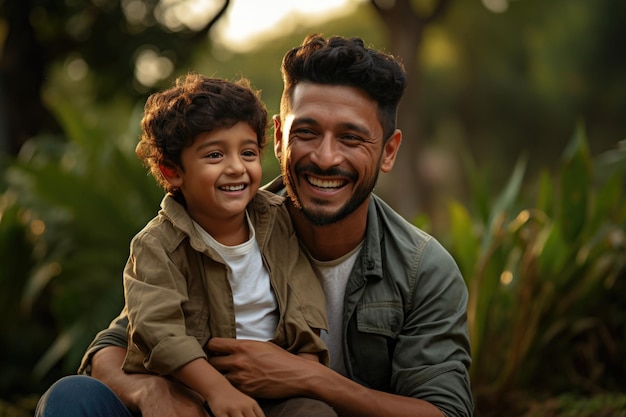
<point x="233" y="187"/>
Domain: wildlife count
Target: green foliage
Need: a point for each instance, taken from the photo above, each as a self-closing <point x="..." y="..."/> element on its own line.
<point x="545" y="272"/>
<point x="23" y="332"/>
<point x="23" y="407"/>
<point x="81" y="200"/>
<point x="603" y="405"/>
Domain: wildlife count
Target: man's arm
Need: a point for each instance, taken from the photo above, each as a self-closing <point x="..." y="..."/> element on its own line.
<point x="151" y="394"/>
<point x="262" y="369"/>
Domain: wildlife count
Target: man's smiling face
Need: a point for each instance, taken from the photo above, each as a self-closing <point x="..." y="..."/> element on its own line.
<point x="330" y="147"/>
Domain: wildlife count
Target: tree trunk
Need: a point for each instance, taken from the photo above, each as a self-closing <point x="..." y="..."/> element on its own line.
<point x="405" y="188"/>
<point x="21" y="79"/>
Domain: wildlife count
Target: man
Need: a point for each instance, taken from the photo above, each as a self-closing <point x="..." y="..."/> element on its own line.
<point x="396" y="301"/>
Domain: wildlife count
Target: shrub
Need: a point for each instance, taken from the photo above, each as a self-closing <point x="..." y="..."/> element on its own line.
<point x="545" y="268"/>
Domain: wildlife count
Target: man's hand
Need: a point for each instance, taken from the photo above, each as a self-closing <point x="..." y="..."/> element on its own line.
<point x="153" y="396"/>
<point x="261" y="369"/>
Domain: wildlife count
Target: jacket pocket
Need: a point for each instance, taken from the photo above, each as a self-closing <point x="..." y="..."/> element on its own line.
<point x="383" y="318"/>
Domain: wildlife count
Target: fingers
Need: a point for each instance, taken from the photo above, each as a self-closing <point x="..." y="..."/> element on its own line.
<point x="258" y="412"/>
<point x="221" y="345"/>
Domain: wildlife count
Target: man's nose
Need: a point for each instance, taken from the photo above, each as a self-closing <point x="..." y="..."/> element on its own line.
<point x="326" y="154"/>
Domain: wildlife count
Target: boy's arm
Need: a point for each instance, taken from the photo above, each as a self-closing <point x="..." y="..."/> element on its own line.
<point x="310" y="356"/>
<point x="223" y="399"/>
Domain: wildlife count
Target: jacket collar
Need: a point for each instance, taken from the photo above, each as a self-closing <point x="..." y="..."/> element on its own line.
<point x="259" y="209"/>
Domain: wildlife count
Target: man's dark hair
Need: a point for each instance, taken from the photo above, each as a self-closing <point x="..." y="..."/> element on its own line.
<point x="195" y="104"/>
<point x="346" y="62"/>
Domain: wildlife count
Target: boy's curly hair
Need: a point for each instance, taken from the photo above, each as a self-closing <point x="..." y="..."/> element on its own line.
<point x="195" y="104"/>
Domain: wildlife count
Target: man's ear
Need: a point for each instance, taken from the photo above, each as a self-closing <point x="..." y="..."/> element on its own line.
<point x="171" y="175"/>
<point x="390" y="151"/>
<point x="278" y="136"/>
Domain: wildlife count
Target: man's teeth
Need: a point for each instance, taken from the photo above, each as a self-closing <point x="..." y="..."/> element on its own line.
<point x="325" y="183"/>
<point x="233" y="187"/>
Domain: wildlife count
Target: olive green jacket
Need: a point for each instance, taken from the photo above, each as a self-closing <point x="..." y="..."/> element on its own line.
<point x="405" y="316"/>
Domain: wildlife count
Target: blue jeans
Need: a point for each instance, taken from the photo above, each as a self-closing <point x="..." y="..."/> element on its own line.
<point x="80" y="396"/>
<point x="84" y="396"/>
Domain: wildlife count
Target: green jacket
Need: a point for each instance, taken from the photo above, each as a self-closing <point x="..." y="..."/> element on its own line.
<point x="405" y="316"/>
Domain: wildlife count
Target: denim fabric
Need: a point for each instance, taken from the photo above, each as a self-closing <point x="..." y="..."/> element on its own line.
<point x="84" y="396"/>
<point x="80" y="396"/>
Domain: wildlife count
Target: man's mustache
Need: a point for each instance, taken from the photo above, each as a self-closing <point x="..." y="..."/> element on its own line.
<point x="330" y="172"/>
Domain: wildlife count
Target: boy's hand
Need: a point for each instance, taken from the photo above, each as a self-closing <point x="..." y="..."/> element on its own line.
<point x="164" y="397"/>
<point x="231" y="402"/>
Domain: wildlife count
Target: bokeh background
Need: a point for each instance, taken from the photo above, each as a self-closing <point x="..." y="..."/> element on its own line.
<point x="513" y="156"/>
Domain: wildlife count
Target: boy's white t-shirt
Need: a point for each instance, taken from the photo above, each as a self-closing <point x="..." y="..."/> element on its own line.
<point x="334" y="276"/>
<point x="256" y="308"/>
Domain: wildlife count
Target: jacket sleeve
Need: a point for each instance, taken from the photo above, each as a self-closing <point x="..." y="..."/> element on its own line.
<point x="155" y="289"/>
<point x="432" y="356"/>
<point x="114" y="335"/>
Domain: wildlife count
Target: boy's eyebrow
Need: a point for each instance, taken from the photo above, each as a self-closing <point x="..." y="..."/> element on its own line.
<point x="218" y="141"/>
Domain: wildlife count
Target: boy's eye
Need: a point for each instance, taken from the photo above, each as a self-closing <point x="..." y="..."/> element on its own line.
<point x="213" y="155"/>
<point x="249" y="153"/>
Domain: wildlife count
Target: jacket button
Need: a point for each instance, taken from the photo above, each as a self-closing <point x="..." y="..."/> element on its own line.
<point x="370" y="264"/>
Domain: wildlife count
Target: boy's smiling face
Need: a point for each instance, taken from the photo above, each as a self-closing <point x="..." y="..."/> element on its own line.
<point x="221" y="173"/>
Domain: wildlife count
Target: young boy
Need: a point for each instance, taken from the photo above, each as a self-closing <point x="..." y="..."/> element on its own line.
<point x="221" y="258"/>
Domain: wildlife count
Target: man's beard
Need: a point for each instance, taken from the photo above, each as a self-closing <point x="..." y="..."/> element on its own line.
<point x="319" y="217"/>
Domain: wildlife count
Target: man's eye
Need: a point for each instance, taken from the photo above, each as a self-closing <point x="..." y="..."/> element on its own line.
<point x="351" y="138"/>
<point x="305" y="133"/>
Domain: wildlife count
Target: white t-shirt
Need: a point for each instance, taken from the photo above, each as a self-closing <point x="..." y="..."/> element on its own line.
<point x="334" y="276"/>
<point x="256" y="308"/>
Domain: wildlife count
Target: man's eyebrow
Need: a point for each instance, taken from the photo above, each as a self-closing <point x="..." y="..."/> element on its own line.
<point x="304" y="120"/>
<point x="346" y="125"/>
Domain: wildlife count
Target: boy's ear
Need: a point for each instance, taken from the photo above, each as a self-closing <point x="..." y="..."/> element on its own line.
<point x="170" y="174"/>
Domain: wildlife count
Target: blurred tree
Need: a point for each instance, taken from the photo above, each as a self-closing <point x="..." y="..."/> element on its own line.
<point x="129" y="43"/>
<point x="492" y="79"/>
<point x="405" y="22"/>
